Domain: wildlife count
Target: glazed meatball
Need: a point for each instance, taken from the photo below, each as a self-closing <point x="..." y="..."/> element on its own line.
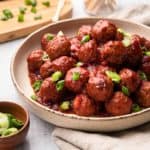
<point x="146" y="65"/>
<point x="143" y="94"/>
<point x="63" y="64"/>
<point x="113" y="53"/>
<point x="130" y="79"/>
<point x="104" y="31"/>
<point x="85" y="52"/>
<point x="45" y="39"/>
<point x="83" y="105"/>
<point x="59" y="46"/>
<point x="84" y="30"/>
<point x="48" y="92"/>
<point x="119" y="104"/>
<point x="99" y="88"/>
<point x="76" y="78"/>
<point x="134" y="53"/>
<point x="35" y="60"/>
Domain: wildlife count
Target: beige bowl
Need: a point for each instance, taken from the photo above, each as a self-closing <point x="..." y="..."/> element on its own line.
<point x="20" y="79"/>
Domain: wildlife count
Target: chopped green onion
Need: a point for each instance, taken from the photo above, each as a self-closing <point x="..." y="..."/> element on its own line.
<point x="85" y="39"/>
<point x="147" y="53"/>
<point x="65" y="105"/>
<point x="37" y="84"/>
<point x="125" y="90"/>
<point x="60" y="85"/>
<point x="16" y="123"/>
<point x="142" y="75"/>
<point x="21" y="17"/>
<point x="22" y="10"/>
<point x="46" y="3"/>
<point x="115" y="77"/>
<point x="49" y="36"/>
<point x="34" y="97"/>
<point x="79" y="64"/>
<point x="60" y="33"/>
<point x="9" y="131"/>
<point x="31" y="2"/>
<point x="4" y="18"/>
<point x="126" y="41"/>
<point x="123" y="32"/>
<point x="38" y="17"/>
<point x="33" y="10"/>
<point x="45" y="57"/>
<point x="76" y="76"/>
<point x="8" y="13"/>
<point x="136" y="108"/>
<point x="56" y="76"/>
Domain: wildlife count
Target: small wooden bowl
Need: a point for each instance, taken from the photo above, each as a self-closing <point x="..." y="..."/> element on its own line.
<point x="10" y="142"/>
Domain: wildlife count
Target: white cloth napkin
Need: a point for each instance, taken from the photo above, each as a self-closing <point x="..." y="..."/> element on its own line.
<point x="133" y="139"/>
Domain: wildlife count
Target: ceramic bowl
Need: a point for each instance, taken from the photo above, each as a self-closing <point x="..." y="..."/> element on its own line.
<point x="10" y="142"/>
<point x="21" y="81"/>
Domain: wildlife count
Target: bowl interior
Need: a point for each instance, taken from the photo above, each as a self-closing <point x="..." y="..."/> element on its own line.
<point x="19" y="70"/>
<point x="14" y="109"/>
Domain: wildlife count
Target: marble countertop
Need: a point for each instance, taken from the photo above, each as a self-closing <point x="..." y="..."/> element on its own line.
<point x="39" y="137"/>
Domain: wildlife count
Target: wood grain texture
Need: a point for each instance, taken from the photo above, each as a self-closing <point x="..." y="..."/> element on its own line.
<point x="13" y="29"/>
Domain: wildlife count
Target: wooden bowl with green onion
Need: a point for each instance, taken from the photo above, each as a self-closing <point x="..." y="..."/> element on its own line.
<point x="14" y="125"/>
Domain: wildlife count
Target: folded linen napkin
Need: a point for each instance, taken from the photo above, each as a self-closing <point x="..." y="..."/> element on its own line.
<point x="132" y="139"/>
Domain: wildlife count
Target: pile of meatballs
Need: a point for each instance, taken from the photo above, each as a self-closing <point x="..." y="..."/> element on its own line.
<point x="101" y="71"/>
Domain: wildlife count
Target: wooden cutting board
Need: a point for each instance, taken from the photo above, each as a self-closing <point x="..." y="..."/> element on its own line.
<point x="12" y="29"/>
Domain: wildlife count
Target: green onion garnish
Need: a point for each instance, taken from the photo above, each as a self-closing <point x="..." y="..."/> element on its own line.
<point x="33" y="10"/>
<point x="65" y="105"/>
<point x="85" y="39"/>
<point x="123" y="32"/>
<point x="126" y="41"/>
<point x="34" y="97"/>
<point x="38" y="17"/>
<point x="37" y="84"/>
<point x="46" y="3"/>
<point x="142" y="75"/>
<point x="56" y="76"/>
<point x="8" y="13"/>
<point x="31" y="2"/>
<point x="125" y="90"/>
<point x="60" y="85"/>
<point x="16" y="123"/>
<point x="60" y="33"/>
<point x="45" y="57"/>
<point x="49" y="36"/>
<point x="76" y="76"/>
<point x="136" y="108"/>
<point x="115" y="77"/>
<point x="79" y="64"/>
<point x="22" y="10"/>
<point x="4" y="18"/>
<point x="21" y="17"/>
<point x="147" y="53"/>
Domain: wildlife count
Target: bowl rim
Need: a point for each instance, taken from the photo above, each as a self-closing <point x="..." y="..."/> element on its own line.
<point x="72" y="116"/>
<point x="27" y="121"/>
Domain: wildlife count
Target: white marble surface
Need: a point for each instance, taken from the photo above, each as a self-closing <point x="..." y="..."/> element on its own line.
<point x="39" y="137"/>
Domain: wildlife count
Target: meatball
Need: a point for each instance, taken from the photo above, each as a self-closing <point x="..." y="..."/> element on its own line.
<point x="113" y="53"/>
<point x="45" y="39"/>
<point x="85" y="52"/>
<point x="119" y="104"/>
<point x="134" y="53"/>
<point x="99" y="88"/>
<point x="146" y="65"/>
<point x="83" y="105"/>
<point x="104" y="31"/>
<point x="59" y="46"/>
<point x="84" y="30"/>
<point x="76" y="78"/>
<point x="143" y="94"/>
<point x="48" y="92"/>
<point x="130" y="79"/>
<point x="35" y="60"/>
<point x="63" y="64"/>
